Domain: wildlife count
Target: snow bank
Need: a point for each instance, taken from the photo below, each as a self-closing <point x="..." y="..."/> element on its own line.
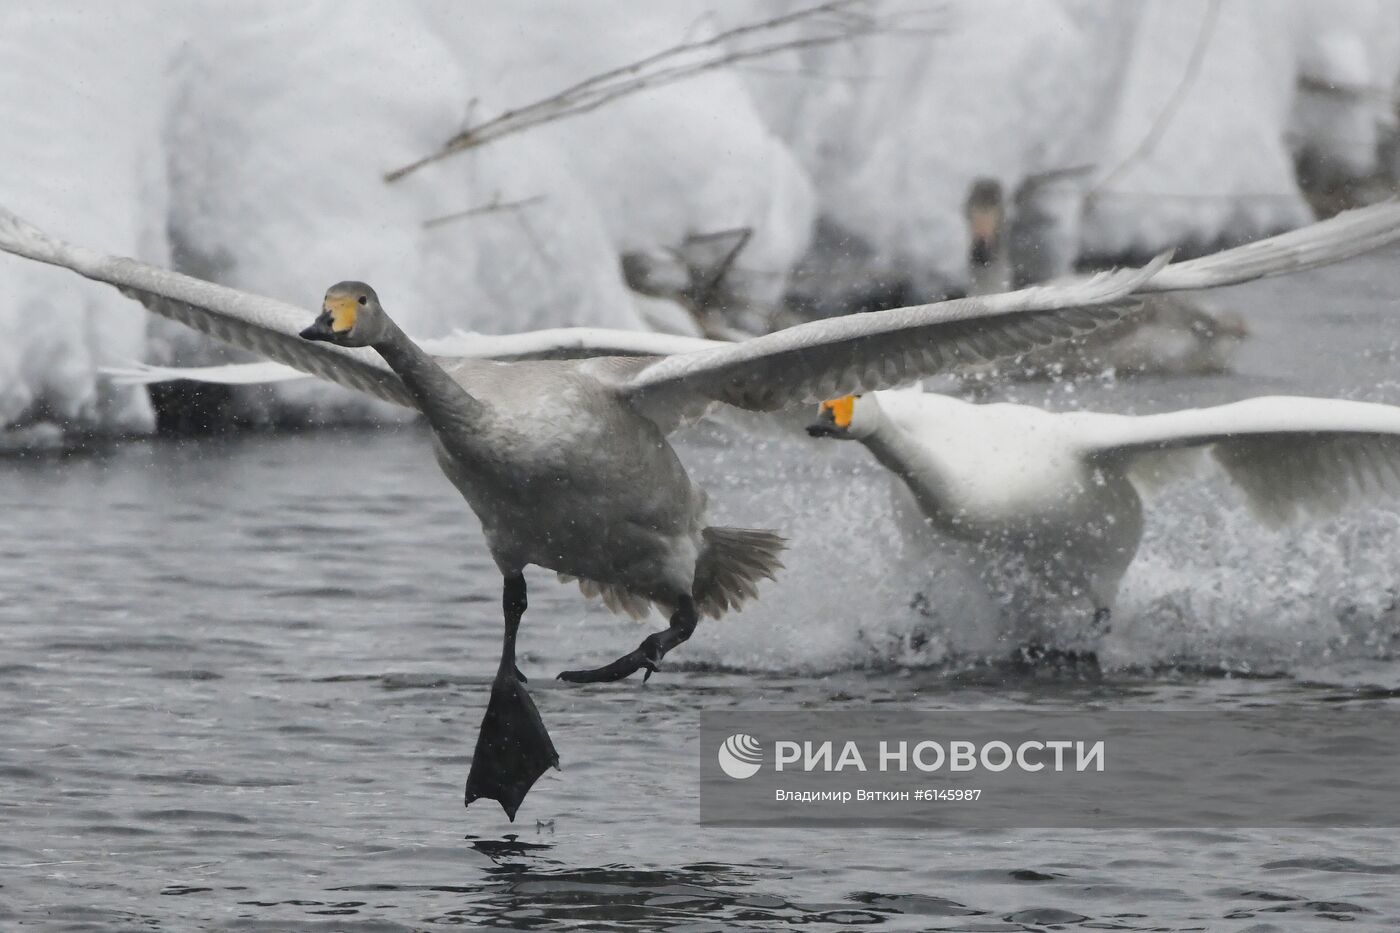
<point x="1216" y="163"/>
<point x="894" y="129"/>
<point x="273" y="128"/>
<point x="81" y="115"/>
<point x="288" y="117"/>
<point x="676" y="160"/>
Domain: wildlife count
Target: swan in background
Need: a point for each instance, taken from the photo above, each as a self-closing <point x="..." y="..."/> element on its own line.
<point x="1172" y="336"/>
<point x="1058" y="497"/>
<point x="566" y="462"/>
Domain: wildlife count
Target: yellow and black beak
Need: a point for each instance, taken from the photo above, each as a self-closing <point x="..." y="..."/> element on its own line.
<point x="336" y="320"/>
<point x="834" y="417"/>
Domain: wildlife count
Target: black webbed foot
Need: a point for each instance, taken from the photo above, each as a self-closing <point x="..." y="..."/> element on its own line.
<point x="647" y="655"/>
<point x="513" y="748"/>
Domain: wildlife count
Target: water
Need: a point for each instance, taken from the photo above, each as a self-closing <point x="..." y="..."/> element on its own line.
<point x="241" y="680"/>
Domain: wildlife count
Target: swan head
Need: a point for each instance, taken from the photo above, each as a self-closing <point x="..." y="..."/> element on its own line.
<point x="351" y="316"/>
<point x="848" y="418"/>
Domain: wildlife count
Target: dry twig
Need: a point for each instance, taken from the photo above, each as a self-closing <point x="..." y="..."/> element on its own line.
<point x="1164" y="117"/>
<point x="834" y="20"/>
<point x="494" y="206"/>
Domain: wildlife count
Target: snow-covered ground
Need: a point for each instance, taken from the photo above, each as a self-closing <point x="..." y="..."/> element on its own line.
<point x="247" y="143"/>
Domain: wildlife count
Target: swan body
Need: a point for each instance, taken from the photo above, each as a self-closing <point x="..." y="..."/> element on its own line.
<point x="566" y="462"/>
<point x="1059" y="497"/>
<point x="564" y="475"/>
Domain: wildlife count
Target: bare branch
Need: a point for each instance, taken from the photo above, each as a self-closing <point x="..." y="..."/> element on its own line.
<point x="494" y="206"/>
<point x="835" y="21"/>
<point x="1168" y="112"/>
<point x="707" y="290"/>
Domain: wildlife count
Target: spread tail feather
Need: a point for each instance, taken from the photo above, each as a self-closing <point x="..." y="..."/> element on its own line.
<point x="730" y="566"/>
<point x="731" y="563"/>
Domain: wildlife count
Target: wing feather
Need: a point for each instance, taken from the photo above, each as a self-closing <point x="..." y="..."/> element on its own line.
<point x="563" y="343"/>
<point x="820" y="359"/>
<point x="229" y="374"/>
<point x="263" y="325"/>
<point x="1348" y="234"/>
<point x="1288" y="455"/>
<point x="559" y="343"/>
<point x="865" y="352"/>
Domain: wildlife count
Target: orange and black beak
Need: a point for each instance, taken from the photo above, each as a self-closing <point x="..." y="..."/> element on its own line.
<point x="321" y="328"/>
<point x="833" y="417"/>
<point x="337" y="319"/>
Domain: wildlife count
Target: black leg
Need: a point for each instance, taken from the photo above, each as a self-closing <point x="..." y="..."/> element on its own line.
<point x="648" y="654"/>
<point x="513" y="748"/>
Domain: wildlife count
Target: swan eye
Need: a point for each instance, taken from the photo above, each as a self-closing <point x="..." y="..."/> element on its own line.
<point x="364" y="300"/>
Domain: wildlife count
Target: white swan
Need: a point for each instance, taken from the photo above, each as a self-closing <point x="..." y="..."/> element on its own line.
<point x="566" y="463"/>
<point x="1059" y="496"/>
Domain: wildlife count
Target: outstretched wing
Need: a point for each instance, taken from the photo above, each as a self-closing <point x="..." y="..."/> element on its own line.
<point x="871" y="351"/>
<point x="263" y="325"/>
<point x="1348" y="234"/>
<point x="864" y="352"/>
<point x="1286" y="454"/>
<point x="563" y="343"/>
<point x="228" y="374"/>
<point x="558" y="343"/>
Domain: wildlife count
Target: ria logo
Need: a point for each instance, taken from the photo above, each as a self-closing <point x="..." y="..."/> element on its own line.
<point x="740" y="756"/>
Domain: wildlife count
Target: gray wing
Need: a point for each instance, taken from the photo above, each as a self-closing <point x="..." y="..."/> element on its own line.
<point x="873" y="351"/>
<point x="864" y="352"/>
<point x="1350" y="233"/>
<point x="263" y="325"/>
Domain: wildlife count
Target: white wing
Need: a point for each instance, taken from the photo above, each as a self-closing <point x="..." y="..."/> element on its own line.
<point x="559" y="343"/>
<point x="873" y="351"/>
<point x="262" y="325"/>
<point x="229" y="374"/>
<point x="563" y="343"/>
<point x="1348" y="234"/>
<point x="1287" y="454"/>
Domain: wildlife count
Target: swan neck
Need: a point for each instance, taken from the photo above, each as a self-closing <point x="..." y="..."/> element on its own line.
<point x="438" y="395"/>
<point x="916" y="466"/>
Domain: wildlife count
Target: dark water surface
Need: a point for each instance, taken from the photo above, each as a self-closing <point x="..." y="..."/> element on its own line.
<point x="241" y="679"/>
